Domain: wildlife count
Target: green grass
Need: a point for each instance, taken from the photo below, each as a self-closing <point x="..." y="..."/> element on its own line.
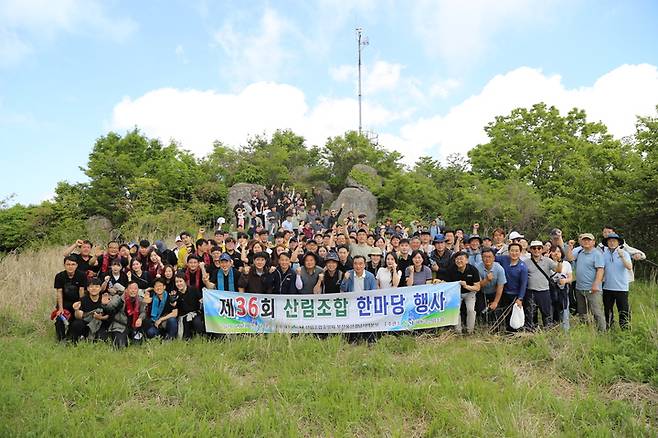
<point x="577" y="384"/>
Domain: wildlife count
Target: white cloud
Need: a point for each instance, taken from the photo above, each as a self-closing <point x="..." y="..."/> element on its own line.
<point x="25" y="22"/>
<point x="197" y="118"/>
<point x="382" y="76"/>
<point x="443" y="88"/>
<point x="460" y="31"/>
<point x="180" y="54"/>
<point x="615" y="99"/>
<point x="258" y="56"/>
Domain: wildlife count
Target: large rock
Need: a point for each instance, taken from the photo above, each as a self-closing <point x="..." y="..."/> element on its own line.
<point x="327" y="197"/>
<point x="99" y="229"/>
<point x="357" y="200"/>
<point x="241" y="191"/>
<point x="363" y="176"/>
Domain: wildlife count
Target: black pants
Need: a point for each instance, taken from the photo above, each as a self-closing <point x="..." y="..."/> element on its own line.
<point x="537" y="300"/>
<point x="129" y="335"/>
<point x="195" y="327"/>
<point x="482" y="301"/>
<point x="620" y="298"/>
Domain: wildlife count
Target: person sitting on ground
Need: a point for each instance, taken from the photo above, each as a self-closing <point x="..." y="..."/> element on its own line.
<point x="358" y="279"/>
<point x="69" y="287"/>
<point x="128" y="312"/>
<point x="188" y="304"/>
<point x="90" y="320"/>
<point x="161" y="320"/>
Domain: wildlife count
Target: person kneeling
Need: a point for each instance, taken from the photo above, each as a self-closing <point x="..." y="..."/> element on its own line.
<point x="129" y="312"/>
<point x="161" y="319"/>
<point x="190" y="315"/>
<point x="90" y="320"/>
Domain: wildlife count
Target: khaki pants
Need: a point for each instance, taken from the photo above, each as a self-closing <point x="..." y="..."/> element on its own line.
<point x="592" y="303"/>
<point x="469" y="301"/>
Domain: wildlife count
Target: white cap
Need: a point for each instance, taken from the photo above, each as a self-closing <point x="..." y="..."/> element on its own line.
<point x="536" y="243"/>
<point x="515" y="235"/>
<point x="178" y="239"/>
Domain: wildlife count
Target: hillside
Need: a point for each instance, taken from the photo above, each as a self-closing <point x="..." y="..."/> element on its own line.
<point x="430" y="384"/>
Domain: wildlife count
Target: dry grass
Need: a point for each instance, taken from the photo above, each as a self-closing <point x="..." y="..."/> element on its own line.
<point x="26" y="282"/>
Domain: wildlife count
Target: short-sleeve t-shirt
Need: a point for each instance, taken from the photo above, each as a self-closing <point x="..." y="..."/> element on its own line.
<point x="557" y="276"/>
<point x="385" y="278"/>
<point x="83" y="265"/>
<point x="616" y="274"/>
<point x="586" y="265"/>
<point x="421" y="277"/>
<point x="70" y="287"/>
<point x="537" y="280"/>
<point x="87" y="305"/>
<point x="470" y="276"/>
<point x="498" y="277"/>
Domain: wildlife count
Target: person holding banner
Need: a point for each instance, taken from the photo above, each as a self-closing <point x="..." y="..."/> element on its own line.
<point x="332" y="275"/>
<point x="283" y="277"/>
<point x="188" y="304"/>
<point x="469" y="279"/>
<point x="309" y="277"/>
<point x="418" y="273"/>
<point x="358" y="279"/>
<point x="389" y="276"/>
<point x="256" y="279"/>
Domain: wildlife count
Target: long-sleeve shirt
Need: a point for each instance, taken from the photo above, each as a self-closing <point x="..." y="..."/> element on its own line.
<point x="517" y="276"/>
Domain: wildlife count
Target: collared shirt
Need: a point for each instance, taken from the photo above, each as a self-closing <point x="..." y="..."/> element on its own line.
<point x="537" y="280"/>
<point x="587" y="263"/>
<point x="359" y="282"/>
<point x="516" y="275"/>
<point x="498" y="277"/>
<point x="616" y="274"/>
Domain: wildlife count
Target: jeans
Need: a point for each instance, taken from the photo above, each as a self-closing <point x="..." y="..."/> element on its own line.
<point x="592" y="303"/>
<point x="537" y="299"/>
<point x="612" y="297"/>
<point x="469" y="300"/>
<point x="168" y="329"/>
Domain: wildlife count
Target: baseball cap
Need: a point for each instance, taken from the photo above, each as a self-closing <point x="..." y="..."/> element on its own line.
<point x="536" y="243"/>
<point x="225" y="257"/>
<point x="589" y="236"/>
<point x="515" y="235"/>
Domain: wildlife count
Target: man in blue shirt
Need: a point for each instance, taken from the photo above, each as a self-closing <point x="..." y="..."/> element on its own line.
<point x="615" y="286"/>
<point x="492" y="281"/>
<point x="589" y="277"/>
<point x="516" y="274"/>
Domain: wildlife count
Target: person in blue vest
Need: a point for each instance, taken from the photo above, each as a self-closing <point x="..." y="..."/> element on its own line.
<point x="616" y="278"/>
<point x="358" y="279"/>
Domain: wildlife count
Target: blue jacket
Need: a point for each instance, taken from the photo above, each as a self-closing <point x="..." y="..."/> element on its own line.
<point x="369" y="282"/>
<point x="517" y="276"/>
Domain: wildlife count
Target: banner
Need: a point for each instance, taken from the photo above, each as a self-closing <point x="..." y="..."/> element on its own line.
<point x="407" y="308"/>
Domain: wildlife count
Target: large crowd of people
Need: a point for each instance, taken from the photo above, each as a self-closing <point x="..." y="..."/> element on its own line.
<point x="286" y="243"/>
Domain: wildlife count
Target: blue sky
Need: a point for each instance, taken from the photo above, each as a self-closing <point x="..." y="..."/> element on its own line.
<point x="435" y="72"/>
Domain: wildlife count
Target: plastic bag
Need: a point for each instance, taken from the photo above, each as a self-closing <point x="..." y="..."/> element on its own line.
<point x="517" y="319"/>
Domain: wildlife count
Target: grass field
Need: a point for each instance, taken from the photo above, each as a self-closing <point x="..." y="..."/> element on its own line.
<point x="548" y="384"/>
